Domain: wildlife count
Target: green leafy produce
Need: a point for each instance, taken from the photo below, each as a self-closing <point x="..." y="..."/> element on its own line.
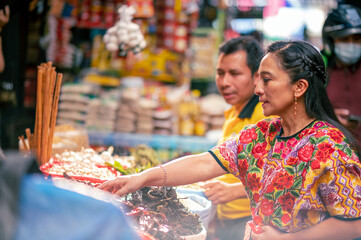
<point x="144" y="157"/>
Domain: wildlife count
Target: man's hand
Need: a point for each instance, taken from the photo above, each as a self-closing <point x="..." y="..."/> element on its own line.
<point x="267" y="233"/>
<point x="220" y="192"/>
<point x="4" y="17"/>
<point x="343" y="116"/>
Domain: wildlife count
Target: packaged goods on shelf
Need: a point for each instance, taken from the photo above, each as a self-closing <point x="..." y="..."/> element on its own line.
<point x="59" y="48"/>
<point x="143" y="112"/>
<point x="203" y="44"/>
<point x="190" y="116"/>
<point x="161" y="28"/>
<point x="76" y="116"/>
<point x="164" y="120"/>
<point x="175" y="23"/>
<point x="72" y="98"/>
<point x="126" y="120"/>
<point x="140" y="106"/>
<point x="74" y="103"/>
<point x="88" y="105"/>
<point x="144" y="117"/>
<point x="128" y="104"/>
<point x="79" y="88"/>
<point x="212" y="109"/>
<point x="144" y="9"/>
<point x="161" y="65"/>
<point x="102" y="114"/>
<point x="97" y="13"/>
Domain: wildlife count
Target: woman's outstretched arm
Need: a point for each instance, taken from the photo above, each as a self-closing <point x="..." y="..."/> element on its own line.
<point x="185" y="170"/>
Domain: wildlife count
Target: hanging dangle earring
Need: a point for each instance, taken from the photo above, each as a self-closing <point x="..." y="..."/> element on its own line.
<point x="295" y="113"/>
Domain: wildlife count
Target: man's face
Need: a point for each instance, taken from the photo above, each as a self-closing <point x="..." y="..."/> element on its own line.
<point x="355" y="38"/>
<point x="234" y="78"/>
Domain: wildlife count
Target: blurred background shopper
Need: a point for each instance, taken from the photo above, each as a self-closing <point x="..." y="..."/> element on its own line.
<point x="342" y="53"/>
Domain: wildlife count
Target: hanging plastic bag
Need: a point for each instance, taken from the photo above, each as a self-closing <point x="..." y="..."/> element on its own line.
<point x="34" y="208"/>
<point x="13" y="166"/>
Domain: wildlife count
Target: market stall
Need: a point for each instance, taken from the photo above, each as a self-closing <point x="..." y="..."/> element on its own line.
<point x="65" y="157"/>
<point x="136" y="90"/>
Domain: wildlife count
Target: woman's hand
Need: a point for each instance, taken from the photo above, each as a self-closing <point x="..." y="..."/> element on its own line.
<point x="220" y="192"/>
<point x="123" y="185"/>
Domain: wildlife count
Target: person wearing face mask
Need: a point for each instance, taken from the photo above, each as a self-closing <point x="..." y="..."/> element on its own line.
<point x="341" y="36"/>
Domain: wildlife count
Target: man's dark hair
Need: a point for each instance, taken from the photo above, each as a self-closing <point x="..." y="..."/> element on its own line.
<point x="248" y="44"/>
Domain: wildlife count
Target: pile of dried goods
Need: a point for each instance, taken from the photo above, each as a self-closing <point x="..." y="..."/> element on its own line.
<point x="160" y="213"/>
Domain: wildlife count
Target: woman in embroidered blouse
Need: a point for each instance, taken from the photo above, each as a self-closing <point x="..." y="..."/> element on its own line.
<point x="301" y="171"/>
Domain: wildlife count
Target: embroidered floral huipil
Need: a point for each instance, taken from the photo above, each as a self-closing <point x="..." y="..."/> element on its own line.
<point x="298" y="181"/>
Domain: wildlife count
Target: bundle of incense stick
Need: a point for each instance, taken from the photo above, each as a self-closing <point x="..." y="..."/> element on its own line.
<point x="47" y="99"/>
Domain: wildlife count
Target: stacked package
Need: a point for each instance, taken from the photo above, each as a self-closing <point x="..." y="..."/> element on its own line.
<point x="164" y="121"/>
<point x="145" y="123"/>
<point x="102" y="111"/>
<point x="212" y="111"/>
<point x="126" y="120"/>
<point x="74" y="102"/>
<point x="127" y="116"/>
